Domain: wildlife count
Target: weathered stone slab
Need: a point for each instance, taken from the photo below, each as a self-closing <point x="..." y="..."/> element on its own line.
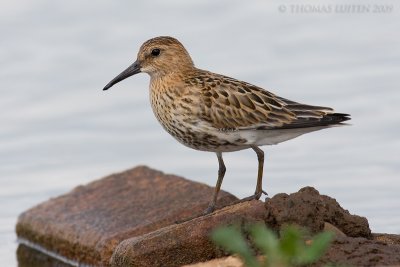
<point x="187" y="242"/>
<point x="86" y="224"/>
<point x="347" y="251"/>
<point x="230" y="261"/>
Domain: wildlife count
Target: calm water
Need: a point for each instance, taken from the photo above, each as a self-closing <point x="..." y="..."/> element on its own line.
<point x="60" y="130"/>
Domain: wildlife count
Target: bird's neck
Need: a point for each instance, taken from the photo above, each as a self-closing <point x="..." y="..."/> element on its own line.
<point x="170" y="77"/>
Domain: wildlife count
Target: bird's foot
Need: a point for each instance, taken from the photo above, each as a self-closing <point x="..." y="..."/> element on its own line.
<point x="256" y="196"/>
<point x="209" y="210"/>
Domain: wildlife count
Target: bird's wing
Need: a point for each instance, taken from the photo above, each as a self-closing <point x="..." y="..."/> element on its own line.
<point x="229" y="104"/>
<point x="312" y="116"/>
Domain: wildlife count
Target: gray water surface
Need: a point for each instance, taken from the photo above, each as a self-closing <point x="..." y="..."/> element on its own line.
<point x="60" y="130"/>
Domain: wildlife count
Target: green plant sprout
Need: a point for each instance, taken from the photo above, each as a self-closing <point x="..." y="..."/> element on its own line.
<point x="291" y="249"/>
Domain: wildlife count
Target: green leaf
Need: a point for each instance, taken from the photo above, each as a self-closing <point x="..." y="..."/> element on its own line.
<point x="291" y="243"/>
<point x="319" y="245"/>
<point x="267" y="241"/>
<point x="233" y="241"/>
<point x="289" y="250"/>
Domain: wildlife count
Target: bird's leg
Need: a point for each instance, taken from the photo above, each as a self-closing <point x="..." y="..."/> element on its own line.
<point x="259" y="190"/>
<point x="260" y="157"/>
<point x="221" y="173"/>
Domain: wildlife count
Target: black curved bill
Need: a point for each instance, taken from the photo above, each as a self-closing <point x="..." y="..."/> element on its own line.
<point x="131" y="70"/>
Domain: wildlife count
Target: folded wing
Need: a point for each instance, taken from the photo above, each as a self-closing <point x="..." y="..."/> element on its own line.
<point x="229" y="104"/>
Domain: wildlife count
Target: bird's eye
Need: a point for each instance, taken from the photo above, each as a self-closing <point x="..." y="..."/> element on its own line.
<point x="155" y="52"/>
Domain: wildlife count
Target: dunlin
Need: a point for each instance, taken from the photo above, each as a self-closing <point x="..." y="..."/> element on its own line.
<point x="212" y="112"/>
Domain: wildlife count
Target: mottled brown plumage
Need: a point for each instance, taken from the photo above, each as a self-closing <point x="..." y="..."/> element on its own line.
<point x="211" y="112"/>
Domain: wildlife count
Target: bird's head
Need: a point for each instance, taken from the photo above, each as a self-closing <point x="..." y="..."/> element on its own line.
<point x="158" y="57"/>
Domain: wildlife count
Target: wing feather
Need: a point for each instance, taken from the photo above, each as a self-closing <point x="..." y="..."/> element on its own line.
<point x="229" y="104"/>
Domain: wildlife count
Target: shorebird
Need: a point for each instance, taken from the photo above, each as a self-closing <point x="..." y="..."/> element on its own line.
<point x="212" y="112"/>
